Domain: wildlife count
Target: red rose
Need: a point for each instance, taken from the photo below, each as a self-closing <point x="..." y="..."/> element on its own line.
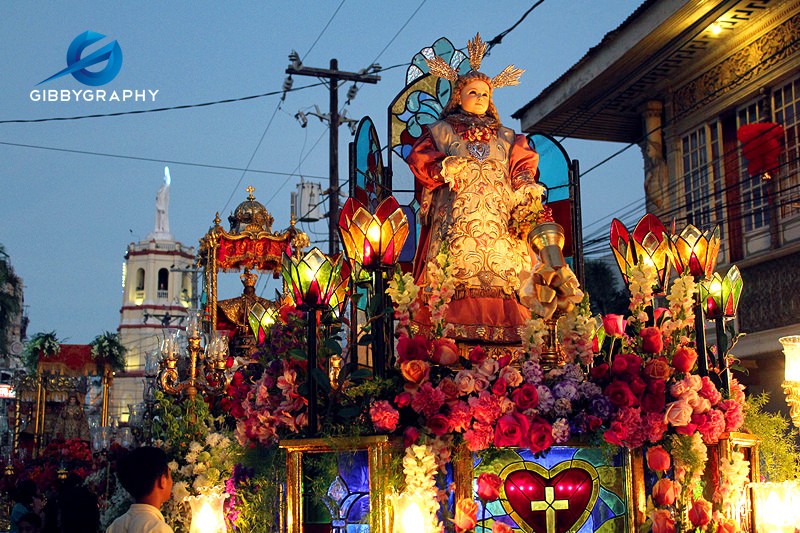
<point x="600" y="371"/>
<point x="664" y="492"/>
<point x="511" y="430"/>
<point x="503" y="361"/>
<point x="658" y="459"/>
<point x="499" y="387"/>
<point x="637" y="386"/>
<point x="700" y="513"/>
<point x="466" y="515"/>
<point x="614" y="325"/>
<point x="541" y="434"/>
<point x="661" y="314"/>
<point x="619" y="393"/>
<point x="410" y="436"/>
<point x="653" y="403"/>
<point x="409" y="349"/>
<point x="477" y="355"/>
<point x="526" y="397"/>
<point x="684" y="359"/>
<point x="402" y="399"/>
<point x="445" y="352"/>
<point x="489" y="486"/>
<point x="727" y="525"/>
<point x="438" y="425"/>
<point x="652" y="342"/>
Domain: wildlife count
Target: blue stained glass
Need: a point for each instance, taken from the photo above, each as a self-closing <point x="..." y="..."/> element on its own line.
<point x="594" y="456"/>
<point x="612" y="500"/>
<point x="350" y="494"/>
<point x="553" y="166"/>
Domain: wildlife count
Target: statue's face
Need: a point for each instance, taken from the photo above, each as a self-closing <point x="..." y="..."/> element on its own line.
<point x="475" y="97"/>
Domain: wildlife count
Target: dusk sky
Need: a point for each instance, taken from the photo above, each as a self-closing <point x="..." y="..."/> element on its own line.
<point x="75" y="193"/>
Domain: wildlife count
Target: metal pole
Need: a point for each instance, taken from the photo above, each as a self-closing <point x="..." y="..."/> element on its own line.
<point x="379" y="326"/>
<point x="722" y="347"/>
<point x="333" y="193"/>
<point x="700" y="334"/>
<point x="311" y="342"/>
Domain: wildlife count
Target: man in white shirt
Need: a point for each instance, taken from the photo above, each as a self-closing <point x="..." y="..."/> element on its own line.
<point x="145" y="475"/>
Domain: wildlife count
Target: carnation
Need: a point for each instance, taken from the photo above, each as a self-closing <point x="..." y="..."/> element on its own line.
<point x="562" y="407"/>
<point x="532" y="372"/>
<point x="546" y="399"/>
<point x="384" y="416"/>
<point x="561" y="431"/>
<point x="427" y="400"/>
<point x="565" y="389"/>
<point x="588" y="389"/>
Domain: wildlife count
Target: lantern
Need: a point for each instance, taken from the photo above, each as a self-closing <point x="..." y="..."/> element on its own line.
<point x="720" y="296"/>
<point x="207" y="513"/>
<point x="695" y="252"/>
<point x="791" y="384"/>
<point x="648" y="244"/>
<point x="761" y="146"/>
<point x="311" y="279"/>
<point x="260" y="319"/>
<point x="374" y="241"/>
<point x="341" y="290"/>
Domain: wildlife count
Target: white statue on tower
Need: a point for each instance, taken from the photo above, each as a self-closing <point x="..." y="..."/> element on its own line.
<point x="161" y="231"/>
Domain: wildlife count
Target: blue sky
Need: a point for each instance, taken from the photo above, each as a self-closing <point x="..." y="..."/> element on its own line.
<point x="67" y="213"/>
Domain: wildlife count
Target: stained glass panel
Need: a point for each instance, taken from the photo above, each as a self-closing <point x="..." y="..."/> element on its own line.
<point x="569" y="489"/>
<point x="348" y="495"/>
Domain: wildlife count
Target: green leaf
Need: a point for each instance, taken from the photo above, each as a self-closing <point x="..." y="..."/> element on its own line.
<point x="365" y="340"/>
<point x="322" y="380"/>
<point x="361" y="373"/>
<point x="333" y="345"/>
<point x="298" y="353"/>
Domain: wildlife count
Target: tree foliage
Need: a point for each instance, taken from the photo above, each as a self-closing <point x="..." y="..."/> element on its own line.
<point x="10" y="306"/>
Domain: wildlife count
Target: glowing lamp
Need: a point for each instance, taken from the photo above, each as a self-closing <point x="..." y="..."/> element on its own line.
<point x="720" y="296"/>
<point x="791" y="384"/>
<point x="374" y="241"/>
<point x="207" y="513"/>
<point x="776" y="506"/>
<point x="341" y="290"/>
<point x="647" y="244"/>
<point x="695" y="252"/>
<point x="260" y="319"/>
<point x="311" y="279"/>
<point x="409" y="516"/>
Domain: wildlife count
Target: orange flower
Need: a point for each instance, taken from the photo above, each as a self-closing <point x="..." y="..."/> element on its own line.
<point x="466" y="515"/>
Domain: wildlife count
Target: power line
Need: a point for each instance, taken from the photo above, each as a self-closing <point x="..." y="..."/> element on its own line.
<point x="497" y="39"/>
<point x="151" y="159"/>
<point x="160" y="109"/>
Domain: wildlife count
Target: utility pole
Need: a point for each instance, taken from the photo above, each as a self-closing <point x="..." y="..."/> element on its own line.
<point x="334" y="76"/>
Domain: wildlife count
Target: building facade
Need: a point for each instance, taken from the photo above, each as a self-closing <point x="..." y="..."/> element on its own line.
<point x="680" y="78"/>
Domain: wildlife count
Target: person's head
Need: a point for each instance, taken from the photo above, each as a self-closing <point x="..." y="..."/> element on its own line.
<point x="145" y="475"/>
<point x="472" y="93"/>
<point x="77" y="510"/>
<point x="73" y="400"/>
<point x="25" y="491"/>
<point x="29" y="523"/>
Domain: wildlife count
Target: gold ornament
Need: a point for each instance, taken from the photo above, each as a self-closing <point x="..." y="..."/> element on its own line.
<point x="476" y="48"/>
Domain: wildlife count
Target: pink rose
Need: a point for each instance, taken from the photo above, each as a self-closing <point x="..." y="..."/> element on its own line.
<point x="684" y="359"/>
<point x="679" y="413"/>
<point x="662" y="521"/>
<point x="661" y="314"/>
<point x="409" y="349"/>
<point x="727" y="525"/>
<point x="658" y="459"/>
<point x="511" y="430"/>
<point x="384" y="416"/>
<point x="526" y="397"/>
<point x="438" y="425"/>
<point x="652" y="341"/>
<point x="489" y="486"/>
<point x="541" y="435"/>
<point x="402" y="399"/>
<point x="445" y="352"/>
<point x="449" y="388"/>
<point x="466" y="515"/>
<point x="664" y="492"/>
<point x="511" y="375"/>
<point x="700" y="513"/>
<point x="614" y="325"/>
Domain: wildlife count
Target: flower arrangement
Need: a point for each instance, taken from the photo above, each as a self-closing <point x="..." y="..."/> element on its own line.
<point x="106" y="348"/>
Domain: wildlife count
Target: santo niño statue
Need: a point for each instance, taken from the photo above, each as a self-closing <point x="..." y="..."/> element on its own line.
<point x="477" y="188"/>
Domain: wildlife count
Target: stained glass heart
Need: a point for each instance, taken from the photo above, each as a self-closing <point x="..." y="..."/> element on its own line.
<point x="550" y="504"/>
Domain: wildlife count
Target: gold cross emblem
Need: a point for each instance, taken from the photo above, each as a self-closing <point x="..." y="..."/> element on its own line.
<point x="250" y="190"/>
<point x="550" y="505"/>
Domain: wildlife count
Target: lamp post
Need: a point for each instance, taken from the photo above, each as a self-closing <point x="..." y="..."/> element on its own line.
<point x="695" y="253"/>
<point x="719" y="298"/>
<point x="648" y="243"/>
<point x="373" y="242"/>
<point x="206" y="365"/>
<point x="311" y="280"/>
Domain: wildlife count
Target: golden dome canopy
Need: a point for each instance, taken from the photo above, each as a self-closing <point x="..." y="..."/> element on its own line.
<point x="250" y="215"/>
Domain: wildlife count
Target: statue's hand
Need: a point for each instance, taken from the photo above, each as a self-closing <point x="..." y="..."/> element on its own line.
<point x="452" y="167"/>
